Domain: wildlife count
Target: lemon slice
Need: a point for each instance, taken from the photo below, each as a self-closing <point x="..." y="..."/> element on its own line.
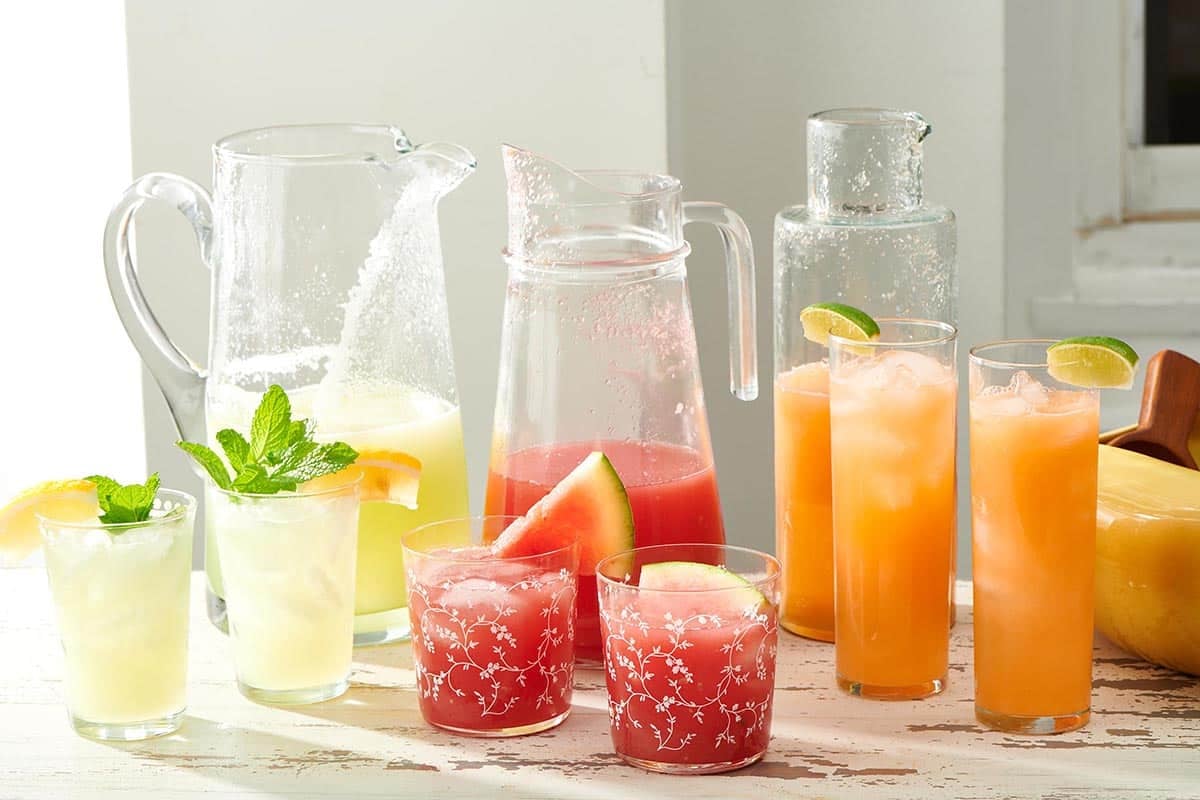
<point x="385" y="475"/>
<point x="70" y="501"/>
<point x="1093" y="362"/>
<point x="846" y="322"/>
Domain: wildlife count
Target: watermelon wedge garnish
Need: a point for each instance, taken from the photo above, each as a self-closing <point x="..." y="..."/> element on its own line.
<point x="589" y="505"/>
<point x="700" y="588"/>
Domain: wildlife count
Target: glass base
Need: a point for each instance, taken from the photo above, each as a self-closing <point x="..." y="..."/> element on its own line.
<point x="916" y="691"/>
<point x="295" y="697"/>
<point x="216" y="610"/>
<point x="1016" y="723"/>
<point x="816" y="634"/>
<point x="127" y="731"/>
<point x="382" y="627"/>
<point x="675" y="768"/>
<point x="500" y="733"/>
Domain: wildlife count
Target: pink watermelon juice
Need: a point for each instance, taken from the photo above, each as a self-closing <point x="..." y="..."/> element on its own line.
<point x="690" y="659"/>
<point x="493" y="638"/>
<point x="672" y="491"/>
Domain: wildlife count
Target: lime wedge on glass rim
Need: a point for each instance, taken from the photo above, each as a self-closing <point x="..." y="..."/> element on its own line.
<point x="1092" y="362"/>
<point x="820" y="320"/>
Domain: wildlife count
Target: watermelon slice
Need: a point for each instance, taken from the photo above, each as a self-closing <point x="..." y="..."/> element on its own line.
<point x="589" y="504"/>
<point x="701" y="586"/>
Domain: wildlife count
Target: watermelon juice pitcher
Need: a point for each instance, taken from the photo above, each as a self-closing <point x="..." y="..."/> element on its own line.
<point x="327" y="279"/>
<point x="598" y="352"/>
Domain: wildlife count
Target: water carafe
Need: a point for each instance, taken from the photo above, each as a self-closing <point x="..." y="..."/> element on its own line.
<point x="866" y="238"/>
<point x="327" y="279"/>
<point x="598" y="350"/>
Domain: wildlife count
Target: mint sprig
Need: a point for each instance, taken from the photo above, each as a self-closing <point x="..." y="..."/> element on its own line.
<point x="124" y="503"/>
<point x="279" y="456"/>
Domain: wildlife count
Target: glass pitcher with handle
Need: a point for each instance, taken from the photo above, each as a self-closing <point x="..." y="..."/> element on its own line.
<point x="598" y="351"/>
<point x="327" y="279"/>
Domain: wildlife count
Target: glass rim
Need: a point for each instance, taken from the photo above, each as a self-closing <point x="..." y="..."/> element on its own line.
<point x="350" y="482"/>
<point x="450" y="558"/>
<point x="184" y="503"/>
<point x="237" y="146"/>
<point x="974" y="354"/>
<point x="855" y="116"/>
<point x="949" y="334"/>
<point x="760" y="584"/>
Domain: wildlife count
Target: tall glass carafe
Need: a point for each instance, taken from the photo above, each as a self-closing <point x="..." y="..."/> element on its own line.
<point x="866" y="238"/>
<point x="327" y="279"/>
<point x="599" y="351"/>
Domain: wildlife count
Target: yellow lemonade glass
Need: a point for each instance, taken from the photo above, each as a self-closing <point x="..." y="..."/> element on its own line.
<point x="121" y="598"/>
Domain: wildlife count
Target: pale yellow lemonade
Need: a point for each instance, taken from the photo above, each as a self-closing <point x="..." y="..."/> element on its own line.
<point x="395" y="419"/>
<point x="122" y="608"/>
<point x="288" y="563"/>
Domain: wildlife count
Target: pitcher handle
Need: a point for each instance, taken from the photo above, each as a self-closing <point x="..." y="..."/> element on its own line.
<point x="739" y="268"/>
<point x="179" y="378"/>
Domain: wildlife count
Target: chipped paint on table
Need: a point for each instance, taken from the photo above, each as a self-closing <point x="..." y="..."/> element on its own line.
<point x="1143" y="740"/>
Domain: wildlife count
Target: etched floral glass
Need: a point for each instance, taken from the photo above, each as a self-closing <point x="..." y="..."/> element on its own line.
<point x="493" y="638"/>
<point x="690" y="668"/>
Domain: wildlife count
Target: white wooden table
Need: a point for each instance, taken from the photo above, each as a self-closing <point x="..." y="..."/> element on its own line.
<point x="1143" y="740"/>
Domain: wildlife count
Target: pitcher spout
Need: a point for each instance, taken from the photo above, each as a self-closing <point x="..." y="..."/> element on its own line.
<point x="450" y="163"/>
<point x="563" y="216"/>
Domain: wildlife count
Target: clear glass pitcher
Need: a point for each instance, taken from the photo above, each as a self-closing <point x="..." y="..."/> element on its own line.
<point x="327" y="279"/>
<point x="599" y="350"/>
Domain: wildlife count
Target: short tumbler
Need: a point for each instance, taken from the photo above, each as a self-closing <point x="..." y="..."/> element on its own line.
<point x="121" y="596"/>
<point x="288" y="564"/>
<point x="690" y="664"/>
<point x="493" y="638"/>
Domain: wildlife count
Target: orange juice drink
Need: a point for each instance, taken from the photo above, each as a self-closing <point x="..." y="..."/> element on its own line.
<point x="892" y="425"/>
<point x="1033" y="511"/>
<point x="803" y="512"/>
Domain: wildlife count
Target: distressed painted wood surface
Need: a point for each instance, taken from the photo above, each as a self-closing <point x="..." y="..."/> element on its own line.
<point x="1143" y="741"/>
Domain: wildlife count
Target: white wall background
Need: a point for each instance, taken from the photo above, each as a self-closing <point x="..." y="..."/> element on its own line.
<point x="582" y="82"/>
<point x="70" y="400"/>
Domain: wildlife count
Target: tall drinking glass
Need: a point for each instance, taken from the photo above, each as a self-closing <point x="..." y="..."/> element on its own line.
<point x="892" y="442"/>
<point x="121" y="597"/>
<point x="288" y="561"/>
<point x="1033" y="514"/>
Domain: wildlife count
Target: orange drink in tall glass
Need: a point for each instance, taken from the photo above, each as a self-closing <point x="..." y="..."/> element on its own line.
<point x="1033" y="511"/>
<point x="803" y="506"/>
<point x="892" y="441"/>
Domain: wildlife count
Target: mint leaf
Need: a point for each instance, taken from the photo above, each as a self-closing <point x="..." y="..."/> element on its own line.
<point x="280" y="455"/>
<point x="253" y="479"/>
<point x="123" y="504"/>
<point x="210" y="461"/>
<point x="272" y="423"/>
<point x="237" y="449"/>
<point x="104" y="487"/>
<point x="301" y="430"/>
<point x="320" y="459"/>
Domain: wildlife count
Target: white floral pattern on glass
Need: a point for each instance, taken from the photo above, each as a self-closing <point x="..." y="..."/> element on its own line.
<point x="688" y="689"/>
<point x="493" y="653"/>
